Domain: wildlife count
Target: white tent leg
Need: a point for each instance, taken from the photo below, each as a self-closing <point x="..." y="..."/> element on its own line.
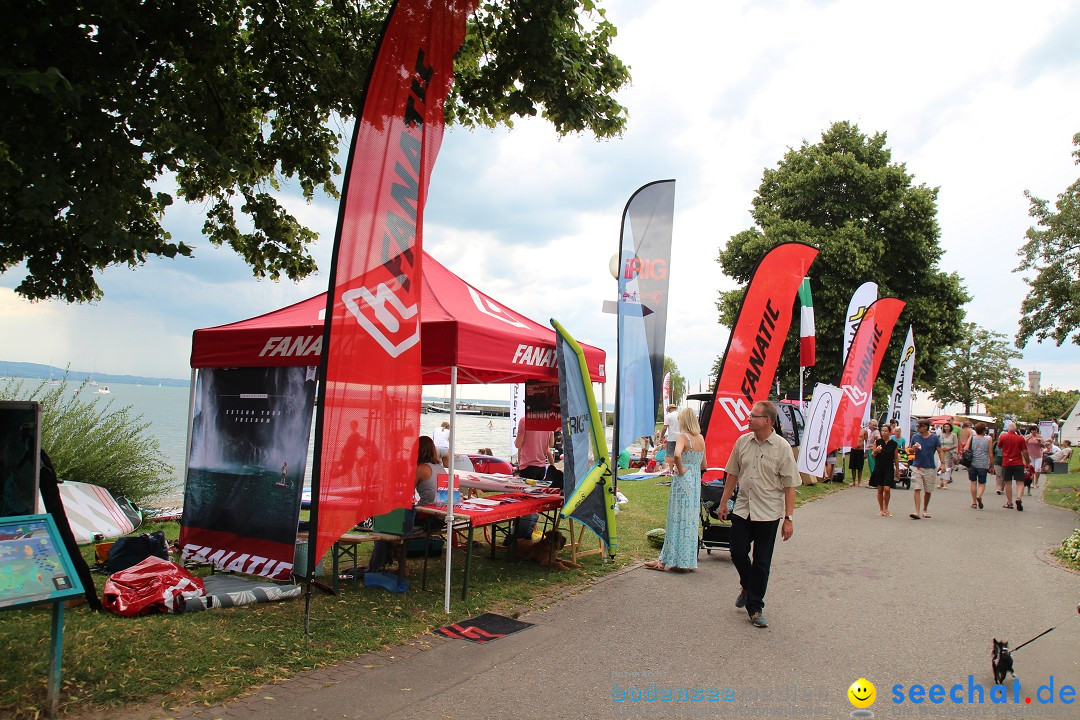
<point x="450" y="485"/>
<point x="190" y="420"/>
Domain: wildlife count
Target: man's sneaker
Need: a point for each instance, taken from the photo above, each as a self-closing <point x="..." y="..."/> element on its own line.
<point x="1019" y="504"/>
<point x="740" y="602"/>
<point x="759" y="620"/>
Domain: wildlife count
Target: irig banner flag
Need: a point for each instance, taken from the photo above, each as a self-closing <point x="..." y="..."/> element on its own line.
<point x="588" y="488"/>
<point x="644" y="257"/>
<point x="861" y="369"/>
<point x="754" y="348"/>
<point x="666" y="394"/>
<point x="815" y="437"/>
<point x="370" y="376"/>
<point x="900" y="400"/>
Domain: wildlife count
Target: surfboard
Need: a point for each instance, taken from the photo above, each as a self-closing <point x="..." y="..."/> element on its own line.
<point x="94" y="513"/>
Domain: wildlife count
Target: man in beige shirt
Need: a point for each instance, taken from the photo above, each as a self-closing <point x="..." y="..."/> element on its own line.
<point x="762" y="467"/>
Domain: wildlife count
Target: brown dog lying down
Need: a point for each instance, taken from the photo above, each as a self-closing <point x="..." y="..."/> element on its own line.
<point x="539" y="551"/>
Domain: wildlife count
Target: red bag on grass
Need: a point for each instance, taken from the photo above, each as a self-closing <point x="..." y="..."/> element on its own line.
<point x="151" y="586"/>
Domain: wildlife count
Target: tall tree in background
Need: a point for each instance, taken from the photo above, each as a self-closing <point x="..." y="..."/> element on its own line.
<point x="846" y="197"/>
<point x="1011" y="403"/>
<point x="976" y="368"/>
<point x="1053" y="404"/>
<point x="110" y="109"/>
<point x="678" y="382"/>
<point x="1052" y="251"/>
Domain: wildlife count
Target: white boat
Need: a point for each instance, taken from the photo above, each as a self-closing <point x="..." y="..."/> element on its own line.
<point x="444" y="407"/>
<point x="103" y="390"/>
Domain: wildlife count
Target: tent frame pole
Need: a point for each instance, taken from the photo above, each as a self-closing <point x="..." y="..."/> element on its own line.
<point x="451" y="484"/>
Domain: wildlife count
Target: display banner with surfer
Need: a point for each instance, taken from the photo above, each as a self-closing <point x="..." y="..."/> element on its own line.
<point x="249" y="448"/>
<point x="587" y="480"/>
<point x="644" y="275"/>
<point x="370" y="369"/>
<point x="861" y="369"/>
<point x="755" y="345"/>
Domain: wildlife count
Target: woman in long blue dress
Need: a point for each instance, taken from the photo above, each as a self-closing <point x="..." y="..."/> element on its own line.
<point x="680" y="549"/>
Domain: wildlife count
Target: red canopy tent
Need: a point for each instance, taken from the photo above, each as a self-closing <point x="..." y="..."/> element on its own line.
<point x="465" y="337"/>
<point x="459" y="327"/>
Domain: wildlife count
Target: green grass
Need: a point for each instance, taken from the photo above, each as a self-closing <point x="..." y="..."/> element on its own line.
<point x="1064" y="490"/>
<point x="210" y="657"/>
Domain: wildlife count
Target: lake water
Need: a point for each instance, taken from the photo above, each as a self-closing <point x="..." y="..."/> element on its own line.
<point x="166" y="409"/>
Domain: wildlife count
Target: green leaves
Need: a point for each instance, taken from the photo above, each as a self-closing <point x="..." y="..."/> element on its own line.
<point x="1052" y="308"/>
<point x="846" y="197"/>
<point x="104" y="100"/>
<point x="94" y="443"/>
<point x="976" y="368"/>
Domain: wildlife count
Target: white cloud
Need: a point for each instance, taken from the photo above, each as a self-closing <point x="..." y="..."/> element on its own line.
<point x="979" y="101"/>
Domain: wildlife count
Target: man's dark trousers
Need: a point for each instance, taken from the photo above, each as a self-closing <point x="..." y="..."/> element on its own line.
<point x="754" y="577"/>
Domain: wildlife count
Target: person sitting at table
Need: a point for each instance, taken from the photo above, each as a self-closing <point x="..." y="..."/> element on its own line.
<point x="428" y="467"/>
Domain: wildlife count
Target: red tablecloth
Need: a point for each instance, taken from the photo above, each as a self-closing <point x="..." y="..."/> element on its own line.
<point x="511" y="505"/>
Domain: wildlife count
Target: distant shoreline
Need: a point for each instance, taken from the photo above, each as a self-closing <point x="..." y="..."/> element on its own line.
<point x="37" y="371"/>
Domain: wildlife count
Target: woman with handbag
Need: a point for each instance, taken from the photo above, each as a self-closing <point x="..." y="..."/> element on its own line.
<point x="981" y="449"/>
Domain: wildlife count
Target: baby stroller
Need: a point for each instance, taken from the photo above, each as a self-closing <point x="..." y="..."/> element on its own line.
<point x="905" y="475"/>
<point x="715" y="534"/>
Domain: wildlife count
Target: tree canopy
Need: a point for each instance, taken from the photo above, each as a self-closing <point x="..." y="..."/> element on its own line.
<point x="1052" y="308"/>
<point x="108" y="105"/>
<point x="845" y="196"/>
<point x="977" y="367"/>
<point x="1049" y="404"/>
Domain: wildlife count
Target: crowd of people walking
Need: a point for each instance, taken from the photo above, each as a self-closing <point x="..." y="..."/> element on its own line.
<point x="930" y="460"/>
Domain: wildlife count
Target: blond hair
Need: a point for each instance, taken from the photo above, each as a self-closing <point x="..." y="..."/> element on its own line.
<point x="688" y="421"/>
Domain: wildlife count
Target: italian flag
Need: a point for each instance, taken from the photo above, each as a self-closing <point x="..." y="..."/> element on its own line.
<point x="807" y="339"/>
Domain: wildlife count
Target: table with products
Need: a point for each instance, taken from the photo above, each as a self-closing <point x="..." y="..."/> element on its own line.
<point x="493" y="510"/>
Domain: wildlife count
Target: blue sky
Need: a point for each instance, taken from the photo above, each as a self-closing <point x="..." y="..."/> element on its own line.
<point x="979" y="100"/>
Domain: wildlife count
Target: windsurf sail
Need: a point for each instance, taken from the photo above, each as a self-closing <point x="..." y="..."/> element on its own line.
<point x="861" y="369"/>
<point x="588" y="486"/>
<point x="755" y="345"/>
<point x="644" y="260"/>
<point x="370" y="377"/>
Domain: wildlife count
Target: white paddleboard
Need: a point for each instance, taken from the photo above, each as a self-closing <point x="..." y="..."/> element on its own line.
<point x="92" y="509"/>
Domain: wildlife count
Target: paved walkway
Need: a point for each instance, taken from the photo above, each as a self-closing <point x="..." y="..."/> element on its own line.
<point x="852" y="595"/>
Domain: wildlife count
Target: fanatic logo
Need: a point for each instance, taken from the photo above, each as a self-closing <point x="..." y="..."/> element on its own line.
<point x="737" y="410"/>
<point x="855" y="395"/>
<point x="385" y="317"/>
<point x="490" y="309"/>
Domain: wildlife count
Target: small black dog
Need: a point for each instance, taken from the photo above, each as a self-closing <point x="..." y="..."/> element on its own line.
<point x="1001" y="661"/>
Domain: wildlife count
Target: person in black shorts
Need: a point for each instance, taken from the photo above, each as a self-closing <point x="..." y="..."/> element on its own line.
<point x="857" y="458"/>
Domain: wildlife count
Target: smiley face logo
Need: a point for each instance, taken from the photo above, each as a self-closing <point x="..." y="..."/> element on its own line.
<point x="862" y="693"/>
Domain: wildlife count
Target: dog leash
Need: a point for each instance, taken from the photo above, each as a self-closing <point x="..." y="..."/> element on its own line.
<point x="1031" y="640"/>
